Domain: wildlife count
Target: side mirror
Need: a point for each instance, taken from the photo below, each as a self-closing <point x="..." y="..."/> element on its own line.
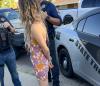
<point x="67" y="19"/>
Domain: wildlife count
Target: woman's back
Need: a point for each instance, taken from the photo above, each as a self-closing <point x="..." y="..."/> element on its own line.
<point x="41" y="31"/>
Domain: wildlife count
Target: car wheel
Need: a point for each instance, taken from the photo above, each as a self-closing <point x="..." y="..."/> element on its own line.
<point x="65" y="63"/>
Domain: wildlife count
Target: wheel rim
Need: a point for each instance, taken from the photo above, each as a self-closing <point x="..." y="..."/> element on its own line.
<point x="65" y="63"/>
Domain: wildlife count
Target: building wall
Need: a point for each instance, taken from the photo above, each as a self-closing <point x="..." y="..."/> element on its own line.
<point x="63" y="2"/>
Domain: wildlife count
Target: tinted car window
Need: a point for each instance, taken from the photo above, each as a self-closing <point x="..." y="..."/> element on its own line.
<point x="97" y="3"/>
<point x="92" y="25"/>
<point x="88" y="3"/>
<point x="80" y="25"/>
<point x="10" y="14"/>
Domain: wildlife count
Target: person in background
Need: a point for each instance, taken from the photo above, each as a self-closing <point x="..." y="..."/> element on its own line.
<point x="52" y="18"/>
<point x="36" y="39"/>
<point x="7" y="54"/>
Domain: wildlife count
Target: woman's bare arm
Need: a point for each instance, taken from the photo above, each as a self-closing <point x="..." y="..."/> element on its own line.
<point x="37" y="34"/>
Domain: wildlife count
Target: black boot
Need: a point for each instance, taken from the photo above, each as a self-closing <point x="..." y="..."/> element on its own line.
<point x="56" y="83"/>
<point x="49" y="76"/>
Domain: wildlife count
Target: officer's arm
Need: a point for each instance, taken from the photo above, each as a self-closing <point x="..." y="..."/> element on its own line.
<point x="54" y="21"/>
<point x="12" y="29"/>
<point x="9" y="26"/>
<point x="53" y="18"/>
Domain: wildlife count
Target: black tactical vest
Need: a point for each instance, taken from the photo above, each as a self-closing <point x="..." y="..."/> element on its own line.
<point x="4" y="36"/>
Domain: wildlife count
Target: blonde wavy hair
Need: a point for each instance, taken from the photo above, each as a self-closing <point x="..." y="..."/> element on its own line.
<point x="30" y="12"/>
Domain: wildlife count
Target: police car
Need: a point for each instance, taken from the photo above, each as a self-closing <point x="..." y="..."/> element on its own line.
<point x="81" y="7"/>
<point x="78" y="47"/>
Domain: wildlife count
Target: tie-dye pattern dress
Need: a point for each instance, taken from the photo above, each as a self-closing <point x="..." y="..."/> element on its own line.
<point x="39" y="61"/>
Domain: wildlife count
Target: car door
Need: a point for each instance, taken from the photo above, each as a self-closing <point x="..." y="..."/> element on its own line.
<point x="90" y="38"/>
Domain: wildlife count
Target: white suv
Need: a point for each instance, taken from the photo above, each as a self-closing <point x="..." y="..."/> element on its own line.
<point x="83" y="7"/>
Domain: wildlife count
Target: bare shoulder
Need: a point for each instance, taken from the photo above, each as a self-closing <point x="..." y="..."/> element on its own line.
<point x="38" y="26"/>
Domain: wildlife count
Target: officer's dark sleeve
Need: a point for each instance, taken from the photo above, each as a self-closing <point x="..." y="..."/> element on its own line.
<point x="9" y="22"/>
<point x="53" y="12"/>
<point x="6" y="20"/>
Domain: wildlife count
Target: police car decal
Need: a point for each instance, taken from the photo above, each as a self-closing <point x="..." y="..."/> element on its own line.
<point x="58" y="35"/>
<point x="87" y="56"/>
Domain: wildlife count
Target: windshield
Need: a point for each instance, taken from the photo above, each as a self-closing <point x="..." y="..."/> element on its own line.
<point x="10" y="15"/>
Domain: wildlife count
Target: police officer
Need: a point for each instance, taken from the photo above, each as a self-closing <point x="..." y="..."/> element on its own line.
<point x="52" y="18"/>
<point x="7" y="55"/>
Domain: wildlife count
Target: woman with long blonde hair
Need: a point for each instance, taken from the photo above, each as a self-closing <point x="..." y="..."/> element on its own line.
<point x="36" y="38"/>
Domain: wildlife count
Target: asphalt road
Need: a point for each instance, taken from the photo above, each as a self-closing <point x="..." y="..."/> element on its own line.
<point x="24" y="65"/>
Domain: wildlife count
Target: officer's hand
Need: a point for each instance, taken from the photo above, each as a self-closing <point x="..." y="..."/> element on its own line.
<point x="44" y="14"/>
<point x="6" y="25"/>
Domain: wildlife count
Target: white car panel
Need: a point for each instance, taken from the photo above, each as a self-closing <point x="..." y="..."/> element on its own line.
<point x="79" y="63"/>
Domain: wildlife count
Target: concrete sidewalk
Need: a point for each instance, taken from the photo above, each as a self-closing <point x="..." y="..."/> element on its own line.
<point x="26" y="79"/>
<point x="29" y="79"/>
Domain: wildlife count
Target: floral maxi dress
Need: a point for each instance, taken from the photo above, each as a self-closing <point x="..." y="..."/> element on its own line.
<point x="39" y="61"/>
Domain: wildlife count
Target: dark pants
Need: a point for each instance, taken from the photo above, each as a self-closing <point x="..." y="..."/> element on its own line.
<point x="8" y="57"/>
<point x="55" y="69"/>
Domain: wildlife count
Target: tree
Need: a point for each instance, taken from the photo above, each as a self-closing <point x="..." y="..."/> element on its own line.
<point x="8" y="4"/>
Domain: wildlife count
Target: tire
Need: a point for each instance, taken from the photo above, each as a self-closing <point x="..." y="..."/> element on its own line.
<point x="65" y="63"/>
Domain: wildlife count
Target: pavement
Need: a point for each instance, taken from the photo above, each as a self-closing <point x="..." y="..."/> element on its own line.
<point x="30" y="80"/>
<point x="26" y="79"/>
<point x="27" y="76"/>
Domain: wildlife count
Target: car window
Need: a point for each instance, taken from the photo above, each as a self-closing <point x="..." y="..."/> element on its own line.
<point x="10" y="15"/>
<point x="80" y="25"/>
<point x="97" y="3"/>
<point x="88" y="3"/>
<point x="92" y="25"/>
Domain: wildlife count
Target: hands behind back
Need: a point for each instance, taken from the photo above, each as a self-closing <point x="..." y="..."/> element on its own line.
<point x="44" y="14"/>
<point x="50" y="63"/>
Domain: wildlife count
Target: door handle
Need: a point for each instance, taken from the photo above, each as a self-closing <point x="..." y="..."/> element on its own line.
<point x="84" y="42"/>
<point x="72" y="40"/>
